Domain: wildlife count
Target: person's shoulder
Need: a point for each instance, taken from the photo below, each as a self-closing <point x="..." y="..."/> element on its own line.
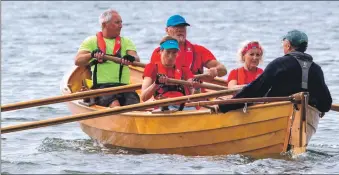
<point x="281" y="59"/>
<point x="157" y="49"/>
<point x="234" y="70"/>
<point x="91" y="38"/>
<point x="199" y="47"/>
<point x="125" y="39"/>
<point x="316" y="66"/>
<point x="150" y="65"/>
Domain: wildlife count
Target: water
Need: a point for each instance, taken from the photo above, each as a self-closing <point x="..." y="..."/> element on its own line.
<point x="40" y="40"/>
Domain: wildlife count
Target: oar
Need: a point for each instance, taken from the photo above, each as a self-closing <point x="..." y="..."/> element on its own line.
<point x="207" y="86"/>
<point x="92" y="93"/>
<point x="217" y="81"/>
<point x="335" y="107"/>
<point x="113" y="111"/>
<point x="241" y="100"/>
<point x="118" y="60"/>
<point x="69" y="97"/>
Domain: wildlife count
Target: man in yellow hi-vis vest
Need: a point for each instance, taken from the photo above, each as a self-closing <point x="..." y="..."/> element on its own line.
<point x="107" y="73"/>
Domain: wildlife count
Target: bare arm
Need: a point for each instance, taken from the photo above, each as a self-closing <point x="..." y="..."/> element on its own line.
<point x="232" y="83"/>
<point x="221" y="69"/>
<point x="82" y="58"/>
<point x="133" y="53"/>
<point x="148" y="88"/>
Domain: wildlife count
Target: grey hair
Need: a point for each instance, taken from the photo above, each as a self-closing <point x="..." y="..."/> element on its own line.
<point x="106" y="16"/>
<point x="242" y="47"/>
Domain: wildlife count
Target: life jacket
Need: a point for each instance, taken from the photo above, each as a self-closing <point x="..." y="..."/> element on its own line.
<point x="169" y="91"/>
<point x="116" y="52"/>
<point x="189" y="59"/>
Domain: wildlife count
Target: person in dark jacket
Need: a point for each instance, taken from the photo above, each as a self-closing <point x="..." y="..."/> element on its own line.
<point x="292" y="73"/>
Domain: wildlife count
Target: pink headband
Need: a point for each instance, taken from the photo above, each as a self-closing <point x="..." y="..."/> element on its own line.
<point x="250" y="46"/>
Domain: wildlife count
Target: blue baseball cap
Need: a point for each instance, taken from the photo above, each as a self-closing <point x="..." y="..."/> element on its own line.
<point x="170" y="44"/>
<point x="176" y="20"/>
<point x="296" y="37"/>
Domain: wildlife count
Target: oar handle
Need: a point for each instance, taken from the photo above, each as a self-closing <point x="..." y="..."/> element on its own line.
<point x="207" y="86"/>
<point x="118" y="60"/>
<point x="335" y="107"/>
<point x="216" y="80"/>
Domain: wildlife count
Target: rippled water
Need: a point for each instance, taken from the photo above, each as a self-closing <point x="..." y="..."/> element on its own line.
<point x="40" y="39"/>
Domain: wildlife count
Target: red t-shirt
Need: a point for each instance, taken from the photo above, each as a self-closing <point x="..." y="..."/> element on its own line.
<point x="151" y="71"/>
<point x="202" y="56"/>
<point x="244" y="76"/>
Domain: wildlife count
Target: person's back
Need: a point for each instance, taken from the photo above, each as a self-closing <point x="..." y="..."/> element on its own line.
<point x="283" y="77"/>
<point x="286" y="79"/>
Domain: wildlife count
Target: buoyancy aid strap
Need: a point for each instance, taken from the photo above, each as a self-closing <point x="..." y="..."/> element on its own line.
<point x="167" y="88"/>
<point x="102" y="46"/>
<point x="305" y="67"/>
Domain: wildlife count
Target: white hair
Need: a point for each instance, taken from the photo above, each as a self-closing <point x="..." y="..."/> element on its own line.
<point x="106" y="16"/>
<point x="242" y="47"/>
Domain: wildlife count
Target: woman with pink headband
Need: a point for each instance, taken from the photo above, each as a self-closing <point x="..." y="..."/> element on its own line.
<point x="250" y="54"/>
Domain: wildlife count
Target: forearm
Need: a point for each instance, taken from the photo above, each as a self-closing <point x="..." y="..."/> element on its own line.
<point x="148" y="92"/>
<point x="82" y="59"/>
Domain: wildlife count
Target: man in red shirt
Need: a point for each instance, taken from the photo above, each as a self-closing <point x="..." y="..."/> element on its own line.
<point x="193" y="56"/>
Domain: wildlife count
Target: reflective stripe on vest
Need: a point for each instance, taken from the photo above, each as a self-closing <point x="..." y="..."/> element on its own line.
<point x="102" y="46"/>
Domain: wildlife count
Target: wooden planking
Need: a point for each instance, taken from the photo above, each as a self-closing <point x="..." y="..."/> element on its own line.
<point x="312" y="119"/>
<point x="151" y="141"/>
<point x="232" y="147"/>
<point x="269" y="151"/>
<point x="178" y="123"/>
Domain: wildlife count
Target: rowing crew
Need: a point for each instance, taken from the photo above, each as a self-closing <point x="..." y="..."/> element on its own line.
<point x="178" y="58"/>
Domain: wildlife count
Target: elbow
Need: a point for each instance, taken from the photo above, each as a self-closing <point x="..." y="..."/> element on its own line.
<point x="143" y="97"/>
<point x="76" y="61"/>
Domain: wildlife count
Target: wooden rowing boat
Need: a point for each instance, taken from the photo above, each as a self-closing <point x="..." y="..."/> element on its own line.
<point x="264" y="129"/>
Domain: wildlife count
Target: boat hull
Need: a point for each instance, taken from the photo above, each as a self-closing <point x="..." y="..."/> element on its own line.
<point x="264" y="129"/>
